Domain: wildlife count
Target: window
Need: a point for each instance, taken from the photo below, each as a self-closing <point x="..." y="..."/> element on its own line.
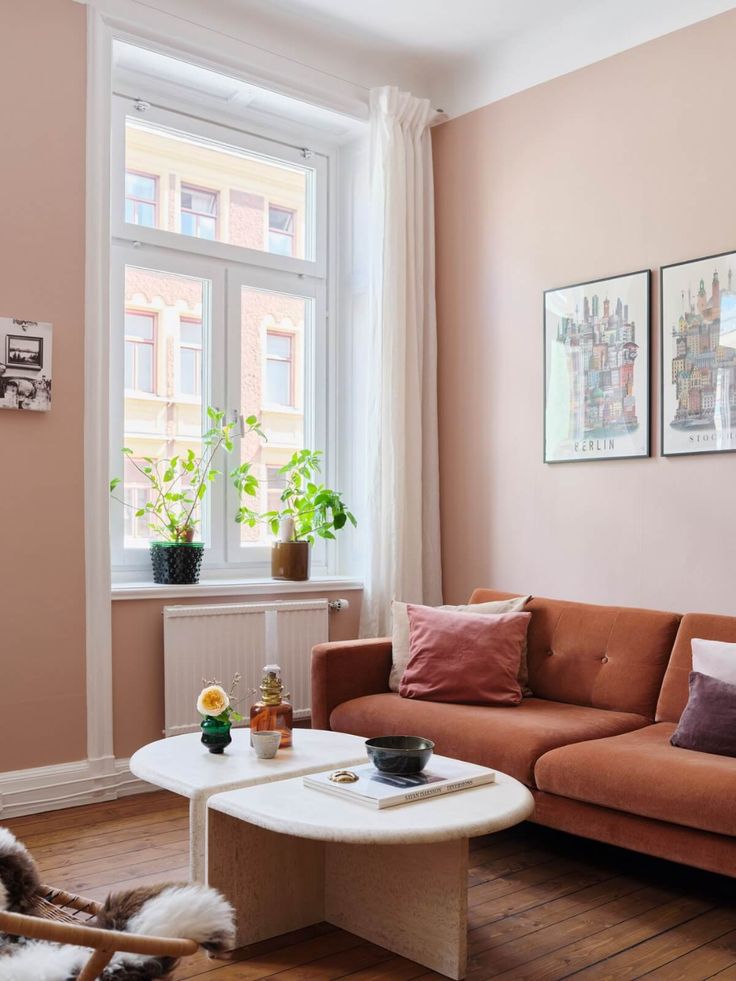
<point x="275" y="483"/>
<point x="190" y="356"/>
<point x="279" y="368"/>
<point x="198" y="212"/>
<point x="140" y="343"/>
<point x="141" y="198"/>
<point x="281" y="230"/>
<point x="210" y="313"/>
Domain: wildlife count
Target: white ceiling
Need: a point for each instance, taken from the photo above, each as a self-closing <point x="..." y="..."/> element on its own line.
<point x="429" y="27"/>
<point x="464" y="54"/>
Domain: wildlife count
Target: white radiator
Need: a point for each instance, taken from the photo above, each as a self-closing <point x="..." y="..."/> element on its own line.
<point x="216" y="641"/>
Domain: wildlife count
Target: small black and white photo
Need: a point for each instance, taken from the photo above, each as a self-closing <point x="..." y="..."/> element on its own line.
<point x="25" y="364"/>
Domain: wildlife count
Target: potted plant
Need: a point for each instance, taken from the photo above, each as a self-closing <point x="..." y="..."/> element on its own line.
<point x="309" y="509"/>
<point x="178" y="484"/>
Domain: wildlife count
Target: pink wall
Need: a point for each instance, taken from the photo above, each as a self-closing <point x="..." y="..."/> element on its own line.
<point x="620" y="166"/>
<point x="138" y="660"/>
<point x="42" y="78"/>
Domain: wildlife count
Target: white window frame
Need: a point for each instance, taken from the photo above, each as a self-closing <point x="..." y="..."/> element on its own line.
<point x="228" y="268"/>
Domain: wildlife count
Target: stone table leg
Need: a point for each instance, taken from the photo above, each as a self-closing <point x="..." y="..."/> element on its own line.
<point x="198" y="839"/>
<point x="411" y="899"/>
<point x="275" y="882"/>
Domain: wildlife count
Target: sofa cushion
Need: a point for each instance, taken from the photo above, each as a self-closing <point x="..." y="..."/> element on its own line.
<point x="642" y="773"/>
<point x="588" y="655"/>
<point x="459" y="658"/>
<point x="675" y="691"/>
<point x="708" y="723"/>
<point x="509" y="739"/>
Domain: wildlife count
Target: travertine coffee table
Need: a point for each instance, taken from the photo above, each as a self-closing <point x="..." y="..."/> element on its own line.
<point x="184" y="766"/>
<point x="287" y="856"/>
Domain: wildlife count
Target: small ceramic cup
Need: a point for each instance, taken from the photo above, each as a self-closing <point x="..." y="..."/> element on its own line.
<point x="266" y="743"/>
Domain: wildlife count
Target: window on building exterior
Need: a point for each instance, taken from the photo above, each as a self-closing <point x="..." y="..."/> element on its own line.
<point x="198" y="212"/>
<point x="190" y="356"/>
<point x="141" y="199"/>
<point x="281" y="223"/>
<point x="279" y="368"/>
<point x="140" y="347"/>
<point x="275" y="483"/>
<point x="213" y="311"/>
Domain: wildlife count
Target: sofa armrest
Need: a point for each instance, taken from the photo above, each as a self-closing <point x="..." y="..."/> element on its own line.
<point x="346" y="669"/>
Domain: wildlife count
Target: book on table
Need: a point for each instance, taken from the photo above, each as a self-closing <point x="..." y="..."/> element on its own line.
<point x="376" y="789"/>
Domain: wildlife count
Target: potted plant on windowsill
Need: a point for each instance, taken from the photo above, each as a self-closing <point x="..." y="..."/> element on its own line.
<point x="309" y="509"/>
<point x="177" y="485"/>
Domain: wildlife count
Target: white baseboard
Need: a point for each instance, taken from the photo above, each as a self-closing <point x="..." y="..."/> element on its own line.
<point x="49" y="788"/>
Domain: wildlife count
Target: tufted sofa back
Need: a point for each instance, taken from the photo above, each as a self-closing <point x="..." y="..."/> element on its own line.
<point x="607" y="657"/>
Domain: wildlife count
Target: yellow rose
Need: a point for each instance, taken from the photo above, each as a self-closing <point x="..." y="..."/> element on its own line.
<point x="212" y="700"/>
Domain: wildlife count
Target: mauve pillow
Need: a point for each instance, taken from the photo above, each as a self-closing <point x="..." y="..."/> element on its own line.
<point x="716" y="658"/>
<point x="708" y="723"/>
<point x="464" y="657"/>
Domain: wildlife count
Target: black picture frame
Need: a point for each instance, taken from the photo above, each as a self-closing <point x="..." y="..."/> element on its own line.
<point x="639" y="286"/>
<point x="15" y="357"/>
<point x="694" y="435"/>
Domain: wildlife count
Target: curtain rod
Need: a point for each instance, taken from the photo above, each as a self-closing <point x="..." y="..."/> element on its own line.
<point x="233" y="37"/>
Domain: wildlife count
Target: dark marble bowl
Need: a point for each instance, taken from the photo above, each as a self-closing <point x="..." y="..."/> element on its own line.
<point x="399" y="754"/>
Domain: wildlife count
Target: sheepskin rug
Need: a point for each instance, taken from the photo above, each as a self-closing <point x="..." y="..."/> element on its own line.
<point x="192" y="911"/>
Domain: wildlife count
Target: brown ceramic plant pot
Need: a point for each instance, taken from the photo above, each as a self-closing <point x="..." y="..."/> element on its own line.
<point x="290" y="560"/>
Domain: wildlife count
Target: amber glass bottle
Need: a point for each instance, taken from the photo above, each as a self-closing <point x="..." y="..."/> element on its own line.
<point x="272" y="710"/>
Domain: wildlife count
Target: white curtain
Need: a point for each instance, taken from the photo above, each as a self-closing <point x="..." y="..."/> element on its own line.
<point x="403" y="520"/>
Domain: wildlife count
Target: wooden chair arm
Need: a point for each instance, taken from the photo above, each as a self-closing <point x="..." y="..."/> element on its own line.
<point x="21" y="925"/>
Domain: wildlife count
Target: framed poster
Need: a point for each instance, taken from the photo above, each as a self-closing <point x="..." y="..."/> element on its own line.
<point x="596" y="370"/>
<point x="25" y="365"/>
<point x="698" y="344"/>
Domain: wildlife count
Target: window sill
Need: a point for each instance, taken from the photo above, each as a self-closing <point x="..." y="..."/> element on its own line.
<point x="231" y="587"/>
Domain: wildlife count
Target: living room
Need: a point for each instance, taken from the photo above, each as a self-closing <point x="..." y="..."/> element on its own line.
<point x="304" y="302"/>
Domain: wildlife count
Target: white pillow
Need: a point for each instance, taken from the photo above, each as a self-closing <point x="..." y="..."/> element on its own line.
<point x="401" y="651"/>
<point x="715" y="658"/>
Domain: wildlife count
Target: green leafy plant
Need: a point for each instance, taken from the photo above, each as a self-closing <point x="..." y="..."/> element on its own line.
<point x="179" y="483"/>
<point x="313" y="509"/>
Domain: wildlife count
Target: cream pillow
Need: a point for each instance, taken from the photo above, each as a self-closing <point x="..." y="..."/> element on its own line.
<point x="715" y="658"/>
<point x="401" y="651"/>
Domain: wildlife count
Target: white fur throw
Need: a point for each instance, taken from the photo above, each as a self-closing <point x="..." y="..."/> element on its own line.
<point x="190" y="911"/>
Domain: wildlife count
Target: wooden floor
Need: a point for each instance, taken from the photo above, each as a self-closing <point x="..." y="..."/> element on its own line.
<point x="542" y="905"/>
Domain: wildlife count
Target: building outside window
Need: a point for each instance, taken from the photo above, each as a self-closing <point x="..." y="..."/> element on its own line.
<point x="190" y="356"/>
<point x="198" y="212"/>
<point x="281" y="223"/>
<point x="279" y="368"/>
<point x="217" y="314"/>
<point x="140" y="344"/>
<point x="141" y="199"/>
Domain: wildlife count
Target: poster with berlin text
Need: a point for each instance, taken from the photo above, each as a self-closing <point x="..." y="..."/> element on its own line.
<point x="596" y="370"/>
<point x="699" y="356"/>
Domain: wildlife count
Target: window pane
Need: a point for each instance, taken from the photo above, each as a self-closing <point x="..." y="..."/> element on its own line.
<point x="272" y="387"/>
<point x="224" y="191"/>
<point x="188" y="380"/>
<point x="278" y="382"/>
<point x="280" y="219"/>
<point x="144" y="367"/>
<point x="190" y="332"/>
<point x="140" y="186"/>
<point x="139" y="325"/>
<point x="160" y="424"/>
<point x="280" y="244"/>
<point x="278" y="345"/>
<point x="203" y="202"/>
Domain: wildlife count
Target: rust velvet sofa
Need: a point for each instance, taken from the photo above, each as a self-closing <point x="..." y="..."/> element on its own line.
<point x="592" y="743"/>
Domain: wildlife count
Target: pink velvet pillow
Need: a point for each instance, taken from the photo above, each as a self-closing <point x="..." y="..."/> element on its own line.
<point x="464" y="657"/>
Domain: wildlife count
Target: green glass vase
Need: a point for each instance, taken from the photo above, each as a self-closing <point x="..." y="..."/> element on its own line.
<point x="215" y="735"/>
